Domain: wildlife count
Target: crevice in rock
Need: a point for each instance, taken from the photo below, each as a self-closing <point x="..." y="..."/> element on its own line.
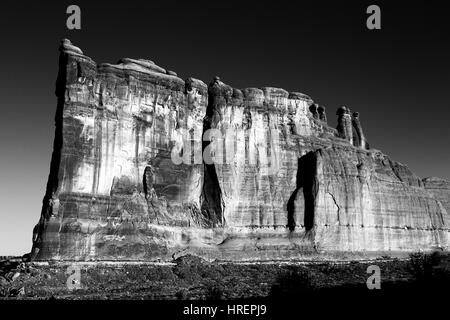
<point x="308" y="184"/>
<point x="337" y="206"/>
<point x="310" y="187"/>
<point x="291" y="205"/>
<point x="211" y="197"/>
<point x="211" y="204"/>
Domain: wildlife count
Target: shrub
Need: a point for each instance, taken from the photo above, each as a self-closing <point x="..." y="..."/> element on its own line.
<point x="182" y="294"/>
<point x="189" y="268"/>
<point x="214" y="292"/>
<point x="292" y="283"/>
<point x="422" y="265"/>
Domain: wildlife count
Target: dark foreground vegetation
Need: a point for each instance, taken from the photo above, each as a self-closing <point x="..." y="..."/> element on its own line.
<point x="190" y="278"/>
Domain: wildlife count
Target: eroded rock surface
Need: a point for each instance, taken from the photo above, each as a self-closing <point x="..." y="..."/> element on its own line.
<point x="440" y="189"/>
<point x="132" y="179"/>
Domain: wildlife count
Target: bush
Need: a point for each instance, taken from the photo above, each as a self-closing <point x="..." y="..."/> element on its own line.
<point x="214" y="292"/>
<point x="182" y="294"/>
<point x="293" y="283"/>
<point x="422" y="265"/>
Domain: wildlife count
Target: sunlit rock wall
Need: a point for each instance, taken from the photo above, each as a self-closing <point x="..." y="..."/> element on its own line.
<point x="365" y="202"/>
<point x="322" y="185"/>
<point x="440" y="189"/>
<point x="256" y="151"/>
<point x="112" y="171"/>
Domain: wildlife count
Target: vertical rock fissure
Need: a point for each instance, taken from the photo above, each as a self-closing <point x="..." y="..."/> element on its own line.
<point x="310" y="188"/>
<point x="211" y="197"/>
<point x="291" y="205"/>
<point x="211" y="205"/>
<point x="337" y="206"/>
<point x="308" y="183"/>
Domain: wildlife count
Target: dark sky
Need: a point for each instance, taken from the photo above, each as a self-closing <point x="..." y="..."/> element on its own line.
<point x="397" y="77"/>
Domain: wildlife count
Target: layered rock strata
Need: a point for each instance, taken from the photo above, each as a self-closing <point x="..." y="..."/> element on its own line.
<point x="147" y="166"/>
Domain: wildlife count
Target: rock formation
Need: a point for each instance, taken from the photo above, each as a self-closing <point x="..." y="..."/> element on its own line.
<point x="147" y="166"/>
<point x="359" y="140"/>
<point x="322" y="114"/>
<point x="345" y="126"/>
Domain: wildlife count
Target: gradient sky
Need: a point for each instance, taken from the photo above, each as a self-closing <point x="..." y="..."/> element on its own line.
<point x="397" y="77"/>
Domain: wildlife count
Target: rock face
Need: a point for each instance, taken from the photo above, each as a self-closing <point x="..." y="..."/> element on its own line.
<point x="147" y="166"/>
<point x="440" y="189"/>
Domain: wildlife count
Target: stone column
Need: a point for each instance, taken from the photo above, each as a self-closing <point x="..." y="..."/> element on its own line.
<point x="345" y="129"/>
<point x="359" y="131"/>
<point x="322" y="114"/>
<point x="313" y="109"/>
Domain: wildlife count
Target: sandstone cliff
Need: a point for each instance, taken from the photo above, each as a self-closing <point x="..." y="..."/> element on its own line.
<point x="147" y="166"/>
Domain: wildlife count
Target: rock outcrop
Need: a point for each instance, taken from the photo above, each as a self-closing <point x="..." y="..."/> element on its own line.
<point x="147" y="166"/>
